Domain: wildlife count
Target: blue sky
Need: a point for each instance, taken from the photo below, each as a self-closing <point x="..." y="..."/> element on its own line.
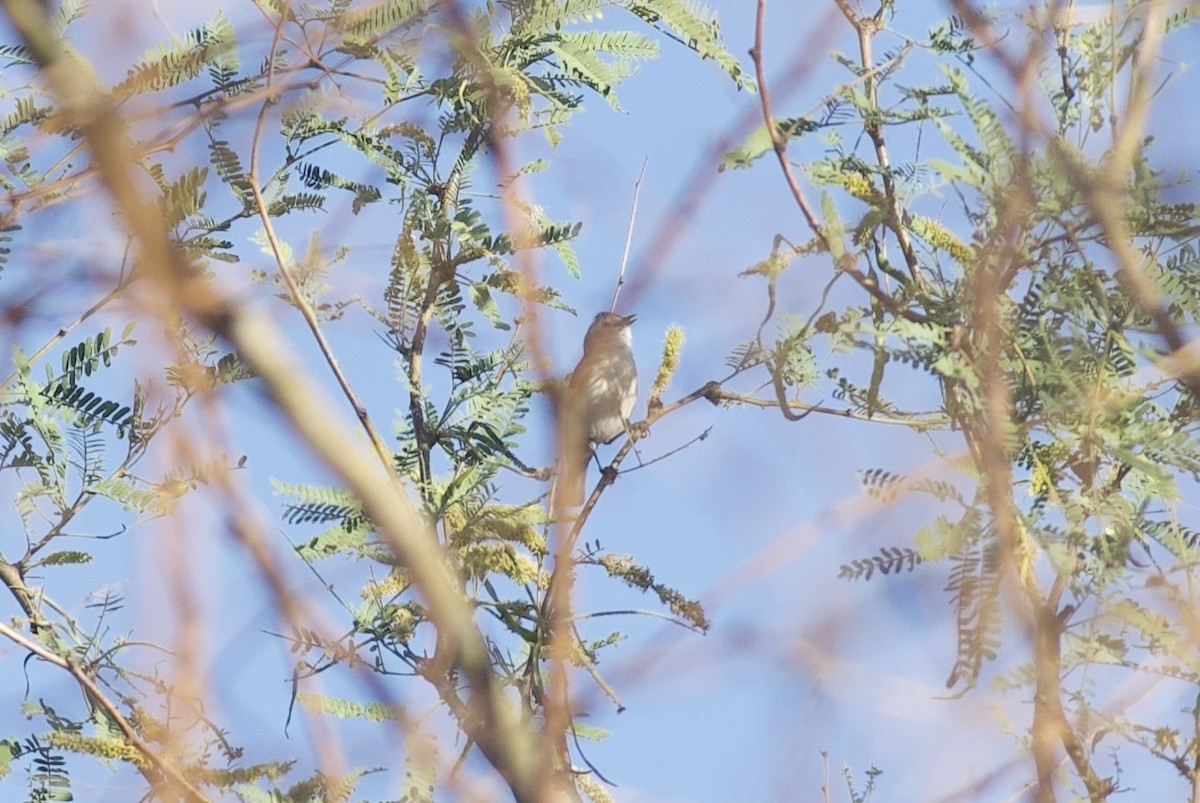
<point x="754" y="521"/>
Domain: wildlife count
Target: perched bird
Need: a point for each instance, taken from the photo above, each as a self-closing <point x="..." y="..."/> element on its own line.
<point x="597" y="402"/>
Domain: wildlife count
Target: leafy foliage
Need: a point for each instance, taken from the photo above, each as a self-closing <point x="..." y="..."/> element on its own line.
<point x="335" y="87"/>
<point x="211" y="44"/>
<point x="1031" y="349"/>
<point x="889" y="560"/>
<point x="987" y="280"/>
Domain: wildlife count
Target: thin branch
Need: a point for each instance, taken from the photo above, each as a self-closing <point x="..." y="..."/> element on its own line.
<point x="63" y="331"/>
<point x="96" y="695"/>
<point x="301" y="302"/>
<point x="702" y="436"/>
<point x="778" y="140"/>
<point x="637" y="191"/>
<point x="639" y="612"/>
<point x="845" y="262"/>
<point x="866" y="28"/>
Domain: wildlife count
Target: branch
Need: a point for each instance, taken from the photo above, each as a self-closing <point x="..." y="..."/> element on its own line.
<point x="306" y="311"/>
<point x="637" y="191"/>
<point x="778" y="140"/>
<point x="506" y="740"/>
<point x="98" y="697"/>
<point x="866" y="28"/>
<point x="920" y="422"/>
<point x="844" y="262"/>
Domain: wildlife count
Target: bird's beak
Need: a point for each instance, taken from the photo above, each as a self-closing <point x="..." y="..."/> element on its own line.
<point x="628" y="319"/>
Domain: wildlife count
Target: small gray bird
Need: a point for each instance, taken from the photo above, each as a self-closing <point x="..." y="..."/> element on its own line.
<point x="598" y="400"/>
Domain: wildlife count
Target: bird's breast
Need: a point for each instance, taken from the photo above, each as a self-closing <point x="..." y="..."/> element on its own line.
<point x="609" y="391"/>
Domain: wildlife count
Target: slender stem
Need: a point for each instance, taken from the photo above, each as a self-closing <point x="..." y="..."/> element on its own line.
<point x="778" y="140"/>
<point x="866" y="28"/>
<point x="301" y="302"/>
<point x="66" y="330"/>
<point x="96" y="695"/>
<point x="845" y="264"/>
<point x="637" y="191"/>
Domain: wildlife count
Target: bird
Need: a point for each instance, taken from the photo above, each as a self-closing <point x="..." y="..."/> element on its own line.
<point x="598" y="400"/>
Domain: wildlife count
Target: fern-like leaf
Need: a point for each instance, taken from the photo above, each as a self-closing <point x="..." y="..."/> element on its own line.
<point x="974" y="584"/>
<point x="168" y="66"/>
<point x="889" y="560"/>
<point x="381" y="18"/>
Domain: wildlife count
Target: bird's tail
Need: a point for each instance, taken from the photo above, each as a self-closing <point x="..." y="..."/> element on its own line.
<point x="572" y="462"/>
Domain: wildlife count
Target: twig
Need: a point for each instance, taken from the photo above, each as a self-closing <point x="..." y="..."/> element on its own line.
<point x="586" y="760"/>
<point x="97" y="695"/>
<point x="665" y="455"/>
<point x="844" y="263"/>
<point x="915" y="421"/>
<point x="637" y="191"/>
<point x="306" y="311"/>
<point x="866" y="28"/>
<point x="778" y="141"/>
<point x="640" y="612"/>
<point x="65" y="330"/>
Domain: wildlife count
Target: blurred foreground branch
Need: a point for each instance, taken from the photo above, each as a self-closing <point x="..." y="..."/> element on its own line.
<point x="491" y="720"/>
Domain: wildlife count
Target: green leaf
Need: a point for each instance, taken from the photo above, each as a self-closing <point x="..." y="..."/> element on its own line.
<point x="380" y="19"/>
<point x="481" y="297"/>
<point x="759" y="142"/>
<point x="211" y="44"/>
<point x="694" y="25"/>
<point x="346" y="709"/>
